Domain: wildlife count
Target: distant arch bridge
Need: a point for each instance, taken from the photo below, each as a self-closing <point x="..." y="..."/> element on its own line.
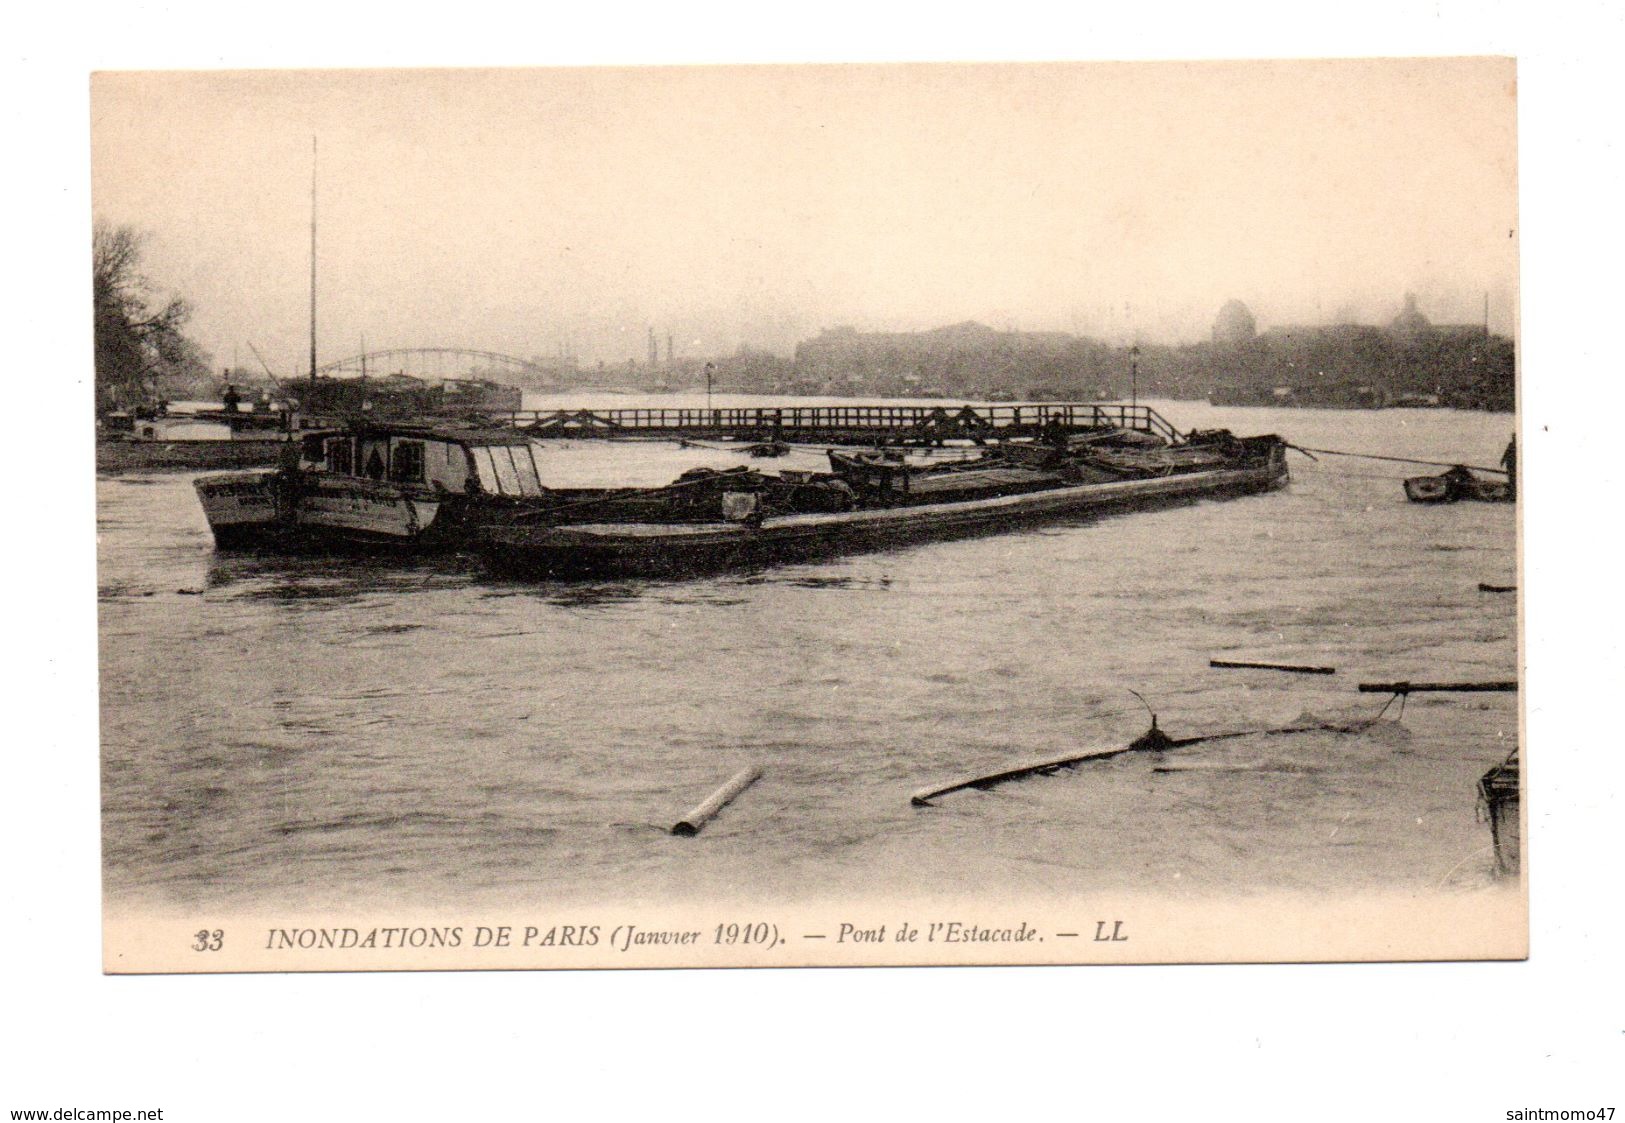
<point x="441" y="362"/>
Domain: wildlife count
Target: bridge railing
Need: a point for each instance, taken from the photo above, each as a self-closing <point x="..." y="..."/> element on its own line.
<point x="900" y="420"/>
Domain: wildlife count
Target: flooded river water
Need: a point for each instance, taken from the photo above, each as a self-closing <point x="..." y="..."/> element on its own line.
<point x="319" y="732"/>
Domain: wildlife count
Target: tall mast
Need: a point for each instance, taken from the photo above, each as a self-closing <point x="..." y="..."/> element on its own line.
<point x="312" y="258"/>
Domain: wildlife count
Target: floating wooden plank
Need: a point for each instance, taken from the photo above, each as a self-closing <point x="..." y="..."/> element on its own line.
<point x="1153" y="740"/>
<point x="1507" y="687"/>
<point x="1484" y="587"/>
<point x="690" y="824"/>
<point x="1297" y="669"/>
<point x="1271" y="769"/>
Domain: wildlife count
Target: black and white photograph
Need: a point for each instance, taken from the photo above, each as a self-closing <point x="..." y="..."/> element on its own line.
<point x="789" y="515"/>
<point x="813" y="562"/>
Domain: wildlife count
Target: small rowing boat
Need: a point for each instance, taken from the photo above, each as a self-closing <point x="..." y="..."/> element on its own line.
<point x="1455" y="485"/>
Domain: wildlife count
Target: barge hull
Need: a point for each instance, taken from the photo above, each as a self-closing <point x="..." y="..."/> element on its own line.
<point x="655" y="550"/>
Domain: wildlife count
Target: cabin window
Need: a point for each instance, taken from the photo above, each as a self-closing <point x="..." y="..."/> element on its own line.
<point x="485" y="469"/>
<point x="524" y="459"/>
<point x="507" y="478"/>
<point x="340" y="456"/>
<point x="406" y="462"/>
<point x="456" y="470"/>
<point x="506" y="469"/>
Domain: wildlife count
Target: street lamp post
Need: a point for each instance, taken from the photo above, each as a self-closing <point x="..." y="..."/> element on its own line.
<point x="1134" y="374"/>
<point x="710" y="372"/>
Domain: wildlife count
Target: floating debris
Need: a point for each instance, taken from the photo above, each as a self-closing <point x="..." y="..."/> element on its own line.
<point x="1290" y="667"/>
<point x="1272" y="769"/>
<point x="1153" y="740"/>
<point x="690" y="824"/>
<point x="1500" y="687"/>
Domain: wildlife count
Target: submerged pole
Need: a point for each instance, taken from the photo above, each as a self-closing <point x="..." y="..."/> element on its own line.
<point x="1152" y="740"/>
<point x="691" y="823"/>
<point x="1294" y="668"/>
<point x="1508" y="687"/>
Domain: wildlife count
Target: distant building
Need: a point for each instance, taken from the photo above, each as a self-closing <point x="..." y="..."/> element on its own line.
<point x="1410" y="360"/>
<point x="959" y="360"/>
<point x="1234" y="324"/>
<point x="1410" y="327"/>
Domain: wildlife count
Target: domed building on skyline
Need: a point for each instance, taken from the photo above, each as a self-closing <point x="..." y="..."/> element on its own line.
<point x="1410" y="326"/>
<point x="1234" y="324"/>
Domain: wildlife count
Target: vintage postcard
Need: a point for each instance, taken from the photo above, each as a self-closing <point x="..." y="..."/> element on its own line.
<point x="808" y="515"/>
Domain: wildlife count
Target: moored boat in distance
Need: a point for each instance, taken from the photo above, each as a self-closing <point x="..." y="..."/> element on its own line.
<point x="202" y="441"/>
<point x="875" y="502"/>
<point x="400" y="397"/>
<point x="418" y="487"/>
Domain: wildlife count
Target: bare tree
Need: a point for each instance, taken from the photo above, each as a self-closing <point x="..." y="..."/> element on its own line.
<point x="138" y="338"/>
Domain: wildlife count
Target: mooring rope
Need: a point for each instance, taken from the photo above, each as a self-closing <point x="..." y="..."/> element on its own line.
<point x="1393" y="459"/>
<point x="1334" y="474"/>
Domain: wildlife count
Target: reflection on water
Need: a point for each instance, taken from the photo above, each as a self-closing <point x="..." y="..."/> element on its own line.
<point x="296" y="729"/>
<point x="839" y="582"/>
<point x="288" y="576"/>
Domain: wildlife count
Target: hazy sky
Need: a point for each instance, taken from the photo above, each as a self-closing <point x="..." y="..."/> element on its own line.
<point x="510" y="210"/>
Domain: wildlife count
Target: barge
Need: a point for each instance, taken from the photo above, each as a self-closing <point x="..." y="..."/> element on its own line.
<point x="422" y="487"/>
<point x="743" y="519"/>
<point x="205" y="441"/>
<point x="400" y="397"/>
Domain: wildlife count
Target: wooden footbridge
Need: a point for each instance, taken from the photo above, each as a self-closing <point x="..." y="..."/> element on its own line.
<point x="844" y="424"/>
